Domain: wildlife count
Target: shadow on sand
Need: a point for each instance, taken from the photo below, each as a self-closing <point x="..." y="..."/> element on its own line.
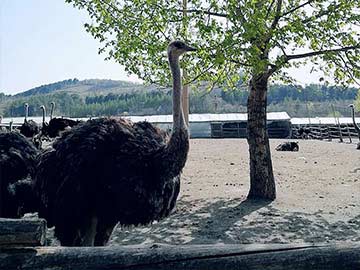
<point x="228" y="221"/>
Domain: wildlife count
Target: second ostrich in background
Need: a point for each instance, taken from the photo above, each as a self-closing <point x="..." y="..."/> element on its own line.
<point x="112" y="170"/>
<point x="29" y="128"/>
<point x="357" y="128"/>
<point x="58" y="125"/>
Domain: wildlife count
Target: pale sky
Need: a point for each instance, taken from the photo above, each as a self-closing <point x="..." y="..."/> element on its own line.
<point x="44" y="41"/>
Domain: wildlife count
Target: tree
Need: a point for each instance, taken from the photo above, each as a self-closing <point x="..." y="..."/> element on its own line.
<point x="258" y="39"/>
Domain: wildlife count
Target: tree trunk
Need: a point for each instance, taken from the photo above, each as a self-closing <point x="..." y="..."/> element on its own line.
<point x="262" y="182"/>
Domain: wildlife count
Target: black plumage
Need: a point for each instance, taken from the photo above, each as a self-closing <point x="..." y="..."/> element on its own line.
<point x="29" y="129"/>
<point x="17" y="161"/>
<point x="57" y="125"/>
<point x="288" y="146"/>
<point x="110" y="170"/>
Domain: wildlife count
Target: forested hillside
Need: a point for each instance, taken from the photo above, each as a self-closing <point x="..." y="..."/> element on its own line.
<point x="86" y="98"/>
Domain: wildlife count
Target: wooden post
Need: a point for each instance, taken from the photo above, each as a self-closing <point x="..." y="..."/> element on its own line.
<point x="185" y="89"/>
<point x="337" y="122"/>
<point x="185" y="101"/>
<point x="344" y="256"/>
<point x="348" y="130"/>
<point x="22" y="232"/>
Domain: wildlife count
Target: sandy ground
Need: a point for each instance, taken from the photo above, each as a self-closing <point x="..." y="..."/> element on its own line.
<point x="318" y="197"/>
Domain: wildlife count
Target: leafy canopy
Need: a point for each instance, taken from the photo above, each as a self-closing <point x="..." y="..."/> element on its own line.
<point x="234" y="37"/>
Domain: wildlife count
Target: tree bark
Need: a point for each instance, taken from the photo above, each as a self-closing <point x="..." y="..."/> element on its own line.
<point x="262" y="182"/>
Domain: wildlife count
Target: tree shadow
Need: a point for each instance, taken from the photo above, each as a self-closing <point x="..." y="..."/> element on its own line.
<point x="228" y="221"/>
<point x="194" y="222"/>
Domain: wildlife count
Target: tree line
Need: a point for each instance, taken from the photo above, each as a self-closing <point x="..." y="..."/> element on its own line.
<point x="296" y="100"/>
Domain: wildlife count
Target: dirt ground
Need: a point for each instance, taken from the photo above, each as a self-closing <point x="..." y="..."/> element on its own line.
<point x="318" y="197"/>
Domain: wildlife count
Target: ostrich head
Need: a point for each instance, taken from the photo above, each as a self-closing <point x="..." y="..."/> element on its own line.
<point x="177" y="48"/>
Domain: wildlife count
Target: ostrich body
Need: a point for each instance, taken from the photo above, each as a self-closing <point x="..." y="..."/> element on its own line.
<point x="29" y="128"/>
<point x="58" y="125"/>
<point x="357" y="128"/>
<point x="288" y="146"/>
<point x="112" y="170"/>
<point x="17" y="162"/>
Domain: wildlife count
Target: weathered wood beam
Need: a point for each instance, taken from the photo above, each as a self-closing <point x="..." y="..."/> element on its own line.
<point x="344" y="256"/>
<point x="22" y="232"/>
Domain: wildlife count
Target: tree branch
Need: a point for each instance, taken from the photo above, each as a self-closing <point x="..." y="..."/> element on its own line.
<point x="310" y="54"/>
<point x="269" y="9"/>
<point x="277" y="15"/>
<point x="319" y="15"/>
<point x="200" y="11"/>
<point x="296" y="8"/>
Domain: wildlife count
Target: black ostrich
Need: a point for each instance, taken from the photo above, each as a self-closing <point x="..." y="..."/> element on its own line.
<point x="304" y="132"/>
<point x="288" y="146"/>
<point x="357" y="128"/>
<point x="29" y="129"/>
<point x="17" y="162"/>
<point x="112" y="170"/>
<point x="58" y="125"/>
<point x="44" y="126"/>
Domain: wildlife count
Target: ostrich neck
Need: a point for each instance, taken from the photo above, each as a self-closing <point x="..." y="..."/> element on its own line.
<point x="178" y="115"/>
<point x="354" y="122"/>
<point x="174" y="157"/>
<point x="43" y="115"/>
<point x="52" y="110"/>
<point x="26" y="113"/>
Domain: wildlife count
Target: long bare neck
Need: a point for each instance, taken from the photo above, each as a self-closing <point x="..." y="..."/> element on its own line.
<point x="43" y="115"/>
<point x="26" y="112"/>
<point x="354" y="122"/>
<point x="52" y="110"/>
<point x="178" y="115"/>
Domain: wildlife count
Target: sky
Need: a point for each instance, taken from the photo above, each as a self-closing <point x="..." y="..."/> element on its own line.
<point x="44" y="41"/>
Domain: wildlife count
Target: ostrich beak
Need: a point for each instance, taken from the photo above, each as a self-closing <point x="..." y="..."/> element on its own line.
<point x="190" y="49"/>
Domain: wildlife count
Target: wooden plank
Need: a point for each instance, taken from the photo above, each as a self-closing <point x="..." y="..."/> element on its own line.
<point x="22" y="232"/>
<point x="344" y="256"/>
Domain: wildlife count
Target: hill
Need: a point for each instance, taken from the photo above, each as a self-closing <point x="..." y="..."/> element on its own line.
<point x="84" y="88"/>
<point x="96" y="97"/>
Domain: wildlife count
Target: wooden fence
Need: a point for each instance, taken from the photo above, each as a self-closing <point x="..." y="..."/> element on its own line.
<point x="327" y="132"/>
<point x="16" y="254"/>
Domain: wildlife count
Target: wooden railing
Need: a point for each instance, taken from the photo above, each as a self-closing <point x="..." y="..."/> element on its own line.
<point x="18" y="254"/>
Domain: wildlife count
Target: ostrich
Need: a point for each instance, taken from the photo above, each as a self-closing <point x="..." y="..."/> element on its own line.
<point x="29" y="128"/>
<point x="288" y="146"/>
<point x="57" y="125"/>
<point x="357" y="128"/>
<point x="112" y="170"/>
<point x="17" y="162"/>
<point x="44" y="125"/>
<point x="304" y="132"/>
<point x="1" y="127"/>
